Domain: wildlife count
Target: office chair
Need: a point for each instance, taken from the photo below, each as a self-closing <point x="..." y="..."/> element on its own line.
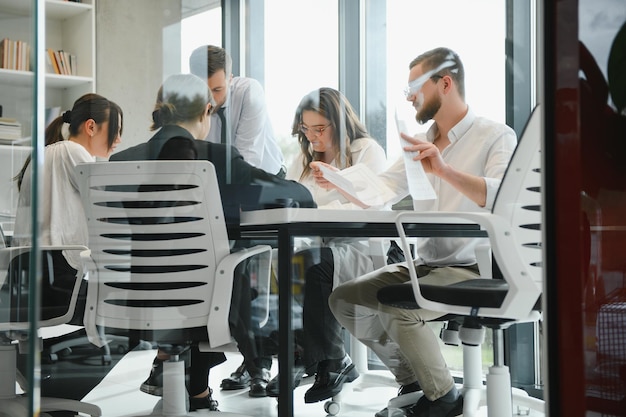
<point x="514" y="230"/>
<point x="160" y="260"/>
<point x="14" y="326"/>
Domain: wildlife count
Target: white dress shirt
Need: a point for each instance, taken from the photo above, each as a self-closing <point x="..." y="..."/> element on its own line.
<point x="478" y="146"/>
<point x="250" y="129"/>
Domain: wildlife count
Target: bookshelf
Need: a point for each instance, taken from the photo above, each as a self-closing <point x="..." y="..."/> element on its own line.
<point x="70" y="26"/>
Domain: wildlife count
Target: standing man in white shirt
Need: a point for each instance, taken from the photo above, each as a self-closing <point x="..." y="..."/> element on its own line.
<point x="242" y="119"/>
<point x="243" y="122"/>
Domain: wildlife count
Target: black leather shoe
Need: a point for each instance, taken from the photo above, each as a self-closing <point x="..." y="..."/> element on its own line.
<point x="330" y="377"/>
<point x="154" y="384"/>
<point x="404" y="389"/>
<point x="409" y="388"/>
<point x="258" y="383"/>
<point x="441" y="407"/>
<point x="239" y="379"/>
<point x="205" y="403"/>
<point x="298" y="373"/>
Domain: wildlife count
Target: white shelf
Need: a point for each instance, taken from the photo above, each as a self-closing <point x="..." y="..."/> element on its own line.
<point x="55" y="9"/>
<point x="23" y="142"/>
<point x="25" y="78"/>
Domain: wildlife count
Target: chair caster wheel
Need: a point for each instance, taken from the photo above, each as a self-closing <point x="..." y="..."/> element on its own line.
<point x="332" y="407"/>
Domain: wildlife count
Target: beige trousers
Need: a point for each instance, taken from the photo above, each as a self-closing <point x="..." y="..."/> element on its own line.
<point x="400" y="337"/>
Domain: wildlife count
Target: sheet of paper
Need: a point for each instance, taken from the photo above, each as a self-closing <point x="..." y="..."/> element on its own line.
<point x="420" y="187"/>
<point x="361" y="183"/>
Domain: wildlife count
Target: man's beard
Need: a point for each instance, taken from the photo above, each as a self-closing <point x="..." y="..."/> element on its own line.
<point x="428" y="110"/>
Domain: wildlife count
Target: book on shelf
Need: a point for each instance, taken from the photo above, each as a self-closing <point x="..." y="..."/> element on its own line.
<point x="14" y="55"/>
<point x="51" y="62"/>
<point x="10" y="129"/>
<point x="61" y="62"/>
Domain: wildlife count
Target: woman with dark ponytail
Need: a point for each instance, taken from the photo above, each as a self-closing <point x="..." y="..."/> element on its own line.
<point x="95" y="128"/>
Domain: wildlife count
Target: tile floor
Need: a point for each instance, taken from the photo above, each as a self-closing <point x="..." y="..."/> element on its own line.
<point x="118" y="394"/>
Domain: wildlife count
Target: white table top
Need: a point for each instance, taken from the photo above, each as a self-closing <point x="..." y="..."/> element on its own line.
<point x="312" y="215"/>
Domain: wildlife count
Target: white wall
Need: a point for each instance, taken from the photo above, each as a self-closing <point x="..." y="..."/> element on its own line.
<point x="133" y="55"/>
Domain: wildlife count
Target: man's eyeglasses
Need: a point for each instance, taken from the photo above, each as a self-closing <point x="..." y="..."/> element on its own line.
<point x="317" y="131"/>
<point x="416" y="85"/>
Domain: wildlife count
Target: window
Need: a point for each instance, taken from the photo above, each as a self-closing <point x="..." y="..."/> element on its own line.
<point x="197" y="30"/>
<point x="295" y="64"/>
<point x="479" y="40"/>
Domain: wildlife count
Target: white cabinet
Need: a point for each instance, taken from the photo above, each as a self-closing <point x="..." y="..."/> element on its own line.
<point x="69" y="26"/>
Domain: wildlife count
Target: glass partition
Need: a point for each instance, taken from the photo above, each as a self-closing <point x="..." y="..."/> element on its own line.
<point x="21" y="136"/>
<point x="124" y="50"/>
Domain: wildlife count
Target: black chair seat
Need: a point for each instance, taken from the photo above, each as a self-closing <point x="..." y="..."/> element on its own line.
<point x="471" y="293"/>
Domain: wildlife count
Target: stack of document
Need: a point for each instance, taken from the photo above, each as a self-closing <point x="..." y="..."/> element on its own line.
<point x="10" y="129"/>
<point x="361" y="184"/>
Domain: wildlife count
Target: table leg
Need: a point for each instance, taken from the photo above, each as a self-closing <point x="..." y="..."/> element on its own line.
<point x="285" y="331"/>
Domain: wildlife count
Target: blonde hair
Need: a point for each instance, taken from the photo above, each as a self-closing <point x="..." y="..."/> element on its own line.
<point x="181" y="98"/>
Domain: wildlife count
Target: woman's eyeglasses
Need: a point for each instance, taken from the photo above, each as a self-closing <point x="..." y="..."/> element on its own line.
<point x="317" y="131"/>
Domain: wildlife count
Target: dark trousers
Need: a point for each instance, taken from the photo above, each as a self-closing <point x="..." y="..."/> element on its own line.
<point x="243" y="324"/>
<point x="323" y="337"/>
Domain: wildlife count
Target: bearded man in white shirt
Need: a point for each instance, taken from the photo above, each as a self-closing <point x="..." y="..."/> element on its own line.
<point x="465" y="158"/>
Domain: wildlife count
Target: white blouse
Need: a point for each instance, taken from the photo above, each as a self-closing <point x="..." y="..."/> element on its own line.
<point x="351" y="257"/>
<point x="364" y="151"/>
<point x="63" y="220"/>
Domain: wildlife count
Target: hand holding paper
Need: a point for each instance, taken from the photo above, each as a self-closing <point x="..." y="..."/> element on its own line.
<point x="360" y="183"/>
<point x="420" y="187"/>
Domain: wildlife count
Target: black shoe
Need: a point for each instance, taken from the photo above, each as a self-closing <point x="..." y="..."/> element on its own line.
<point x="259" y="382"/>
<point x="239" y="379"/>
<point x="298" y="373"/>
<point x="205" y="403"/>
<point x="404" y="389"/>
<point x="450" y="405"/>
<point x="154" y="384"/>
<point x="330" y="377"/>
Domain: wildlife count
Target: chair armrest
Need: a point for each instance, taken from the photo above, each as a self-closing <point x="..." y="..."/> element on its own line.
<point x="8" y="254"/>
<point x="89" y="318"/>
<point x="523" y="290"/>
<point x="483" y="258"/>
<point x="217" y="326"/>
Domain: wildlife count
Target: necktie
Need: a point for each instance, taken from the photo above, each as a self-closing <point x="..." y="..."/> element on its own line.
<point x="220" y="113"/>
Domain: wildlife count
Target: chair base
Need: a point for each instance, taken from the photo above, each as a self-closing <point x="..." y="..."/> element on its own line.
<point x="18" y="406"/>
<point x="174" y="400"/>
<point x="196" y="414"/>
<point x="13" y="405"/>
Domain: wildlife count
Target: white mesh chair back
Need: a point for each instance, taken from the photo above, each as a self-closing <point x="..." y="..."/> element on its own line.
<point x="156" y="235"/>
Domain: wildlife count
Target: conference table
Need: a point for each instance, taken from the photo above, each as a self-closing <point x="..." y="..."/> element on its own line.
<point x="284" y="225"/>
